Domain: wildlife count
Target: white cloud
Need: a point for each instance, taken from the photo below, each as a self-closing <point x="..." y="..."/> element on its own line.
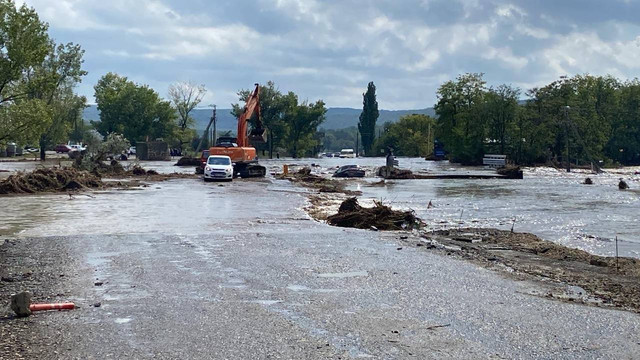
<point x="332" y="48"/>
<point x="587" y="52"/>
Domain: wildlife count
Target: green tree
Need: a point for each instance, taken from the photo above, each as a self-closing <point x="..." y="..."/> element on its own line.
<point x="272" y="110"/>
<point x="368" y="118"/>
<point x="462" y="118"/>
<point x="53" y="82"/>
<point x="501" y="107"/>
<point x="134" y="110"/>
<point x="338" y="139"/>
<point x="624" y="139"/>
<point x="412" y="135"/>
<point x="302" y="121"/>
<point x="24" y="46"/>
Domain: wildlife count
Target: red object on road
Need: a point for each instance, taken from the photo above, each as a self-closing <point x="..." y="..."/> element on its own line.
<point x="60" y="306"/>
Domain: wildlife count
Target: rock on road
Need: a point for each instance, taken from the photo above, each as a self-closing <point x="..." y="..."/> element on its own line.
<point x="188" y="270"/>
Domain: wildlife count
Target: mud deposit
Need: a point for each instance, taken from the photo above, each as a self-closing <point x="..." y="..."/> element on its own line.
<point x="65" y="179"/>
<point x="593" y="280"/>
<point x="572" y="275"/>
<point x="49" y="180"/>
<point x="305" y="178"/>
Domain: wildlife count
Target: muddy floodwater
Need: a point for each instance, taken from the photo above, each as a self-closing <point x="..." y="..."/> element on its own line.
<point x="552" y="204"/>
<point x="549" y="203"/>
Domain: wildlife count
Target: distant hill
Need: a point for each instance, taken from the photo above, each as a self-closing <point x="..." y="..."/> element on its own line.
<point x="336" y="118"/>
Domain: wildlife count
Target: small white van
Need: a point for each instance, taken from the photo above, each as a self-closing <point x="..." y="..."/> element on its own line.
<point x="347" y="153"/>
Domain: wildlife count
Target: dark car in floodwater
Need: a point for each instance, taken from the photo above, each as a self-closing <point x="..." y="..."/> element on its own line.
<point x="349" y="171"/>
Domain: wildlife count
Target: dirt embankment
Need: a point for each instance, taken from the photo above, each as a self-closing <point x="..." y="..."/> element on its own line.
<point x="49" y="180"/>
<point x="66" y="179"/>
<point x="305" y="178"/>
<point x="601" y="280"/>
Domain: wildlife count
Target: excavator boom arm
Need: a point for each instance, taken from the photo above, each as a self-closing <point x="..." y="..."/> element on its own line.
<point x="258" y="132"/>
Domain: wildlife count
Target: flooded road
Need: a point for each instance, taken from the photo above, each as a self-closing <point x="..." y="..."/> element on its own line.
<point x="549" y="203"/>
<point x="199" y="271"/>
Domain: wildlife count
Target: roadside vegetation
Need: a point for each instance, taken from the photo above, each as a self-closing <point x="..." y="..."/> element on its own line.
<point x="582" y="119"/>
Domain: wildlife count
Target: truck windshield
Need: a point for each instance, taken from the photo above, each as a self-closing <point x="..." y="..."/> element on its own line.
<point x="219" y="161"/>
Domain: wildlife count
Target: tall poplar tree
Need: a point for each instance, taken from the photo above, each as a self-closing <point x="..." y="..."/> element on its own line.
<point x="368" y="118"/>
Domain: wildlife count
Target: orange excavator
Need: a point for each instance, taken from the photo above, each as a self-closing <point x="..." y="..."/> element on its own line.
<point x="242" y="154"/>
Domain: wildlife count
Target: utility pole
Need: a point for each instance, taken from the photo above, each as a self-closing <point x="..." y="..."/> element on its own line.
<point x="429" y="139"/>
<point x="206" y="131"/>
<point x="357" y="141"/>
<point x="566" y="132"/>
<point x="214" y="138"/>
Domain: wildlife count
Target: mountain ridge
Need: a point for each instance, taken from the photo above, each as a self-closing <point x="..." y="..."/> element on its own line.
<point x="336" y="118"/>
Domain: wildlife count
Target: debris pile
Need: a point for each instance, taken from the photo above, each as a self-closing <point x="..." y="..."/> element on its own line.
<point x="188" y="161"/>
<point x="324" y="185"/>
<point x="98" y="168"/>
<point x="511" y="172"/>
<point x="49" y="180"/>
<point x="138" y="170"/>
<point x="622" y="185"/>
<point x="395" y="173"/>
<point x="380" y="217"/>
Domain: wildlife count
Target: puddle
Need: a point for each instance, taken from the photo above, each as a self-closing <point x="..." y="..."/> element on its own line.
<point x="267" y="302"/>
<point x="297" y="288"/>
<point x="122" y="320"/>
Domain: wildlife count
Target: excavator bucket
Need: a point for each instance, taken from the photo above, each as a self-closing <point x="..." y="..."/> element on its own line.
<point x="258" y="136"/>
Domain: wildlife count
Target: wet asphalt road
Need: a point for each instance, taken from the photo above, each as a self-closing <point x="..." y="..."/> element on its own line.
<point x="201" y="271"/>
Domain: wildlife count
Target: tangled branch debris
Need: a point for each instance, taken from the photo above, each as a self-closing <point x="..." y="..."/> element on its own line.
<point x="49" y="180"/>
<point x="380" y="217"/>
<point x="511" y="172"/>
<point x="188" y="161"/>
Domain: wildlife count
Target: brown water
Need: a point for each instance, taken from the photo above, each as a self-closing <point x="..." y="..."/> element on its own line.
<point x="549" y="203"/>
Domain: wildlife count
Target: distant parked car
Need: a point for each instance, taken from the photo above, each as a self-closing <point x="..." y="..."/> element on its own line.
<point x="62" y="148"/>
<point x="77" y="147"/>
<point x="132" y="150"/>
<point x="347" y="153"/>
<point x="349" y="171"/>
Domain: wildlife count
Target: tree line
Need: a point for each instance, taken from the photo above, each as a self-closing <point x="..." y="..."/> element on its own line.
<point x="38" y="104"/>
<point x="582" y="119"/>
<point x="37" y="77"/>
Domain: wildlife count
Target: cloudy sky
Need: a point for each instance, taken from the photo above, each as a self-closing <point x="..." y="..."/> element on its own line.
<point x="331" y="49"/>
